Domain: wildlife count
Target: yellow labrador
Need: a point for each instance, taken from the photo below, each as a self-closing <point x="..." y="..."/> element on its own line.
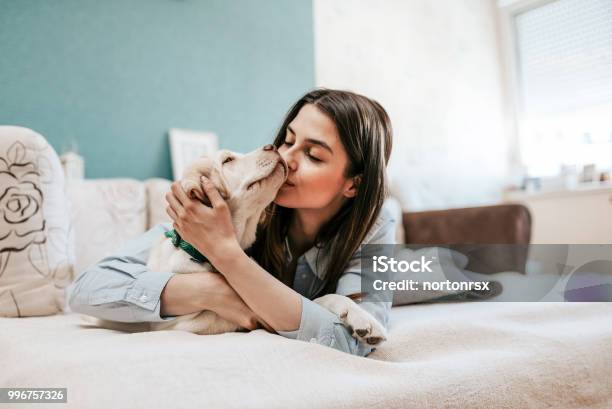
<point x="248" y="183"/>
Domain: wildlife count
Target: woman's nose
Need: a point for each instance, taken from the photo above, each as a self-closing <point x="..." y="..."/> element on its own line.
<point x="269" y="147"/>
<point x="289" y="158"/>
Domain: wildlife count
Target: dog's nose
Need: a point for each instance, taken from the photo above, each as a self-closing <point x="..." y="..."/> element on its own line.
<point x="269" y="147"/>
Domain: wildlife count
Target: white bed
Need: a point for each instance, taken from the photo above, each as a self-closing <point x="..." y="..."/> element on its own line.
<point x="452" y="355"/>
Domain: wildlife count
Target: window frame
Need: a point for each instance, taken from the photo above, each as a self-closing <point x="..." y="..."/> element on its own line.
<point x="509" y="55"/>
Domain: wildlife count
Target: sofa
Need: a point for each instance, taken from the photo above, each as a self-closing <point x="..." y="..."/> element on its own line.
<point x="451" y="354"/>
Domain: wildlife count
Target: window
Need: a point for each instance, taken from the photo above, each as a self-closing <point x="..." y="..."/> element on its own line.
<point x="564" y="68"/>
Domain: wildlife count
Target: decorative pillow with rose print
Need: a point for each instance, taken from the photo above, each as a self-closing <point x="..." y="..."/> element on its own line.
<point x="36" y="246"/>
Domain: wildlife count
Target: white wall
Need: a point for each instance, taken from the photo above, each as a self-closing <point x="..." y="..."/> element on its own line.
<point x="435" y="66"/>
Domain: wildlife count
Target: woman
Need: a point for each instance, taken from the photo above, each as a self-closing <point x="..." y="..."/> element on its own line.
<point x="336" y="145"/>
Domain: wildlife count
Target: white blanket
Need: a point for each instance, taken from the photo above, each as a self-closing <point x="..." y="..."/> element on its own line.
<point x="453" y="355"/>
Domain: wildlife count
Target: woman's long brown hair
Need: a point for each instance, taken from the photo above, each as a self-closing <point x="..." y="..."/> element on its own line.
<point x="366" y="134"/>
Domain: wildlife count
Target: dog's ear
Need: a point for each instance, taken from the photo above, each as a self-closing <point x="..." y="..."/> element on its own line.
<point x="218" y="180"/>
<point x="191" y="177"/>
<point x="209" y="167"/>
<point x="197" y="192"/>
<point x="202" y="166"/>
<point x="200" y="195"/>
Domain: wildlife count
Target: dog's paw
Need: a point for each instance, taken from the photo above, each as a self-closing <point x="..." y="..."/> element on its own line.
<point x="364" y="326"/>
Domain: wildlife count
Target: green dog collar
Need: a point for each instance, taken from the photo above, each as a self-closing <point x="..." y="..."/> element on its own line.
<point x="177" y="241"/>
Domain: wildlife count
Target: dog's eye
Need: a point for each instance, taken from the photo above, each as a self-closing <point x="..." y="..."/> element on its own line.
<point x="228" y="159"/>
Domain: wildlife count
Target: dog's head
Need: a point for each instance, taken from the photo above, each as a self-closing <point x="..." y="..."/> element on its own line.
<point x="248" y="183"/>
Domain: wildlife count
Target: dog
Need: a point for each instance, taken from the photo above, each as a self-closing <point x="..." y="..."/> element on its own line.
<point x="248" y="183"/>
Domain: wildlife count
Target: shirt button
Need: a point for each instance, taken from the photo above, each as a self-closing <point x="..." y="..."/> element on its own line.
<point x="144" y="298"/>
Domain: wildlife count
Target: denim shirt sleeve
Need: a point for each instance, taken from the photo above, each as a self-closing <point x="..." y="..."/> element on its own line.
<point x="321" y="326"/>
<point x="120" y="287"/>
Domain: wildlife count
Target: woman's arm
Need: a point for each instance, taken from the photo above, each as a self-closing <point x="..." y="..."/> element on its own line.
<point x="289" y="313"/>
<point x="278" y="305"/>
<point x="208" y="291"/>
<point x="189" y="293"/>
<point x="121" y="288"/>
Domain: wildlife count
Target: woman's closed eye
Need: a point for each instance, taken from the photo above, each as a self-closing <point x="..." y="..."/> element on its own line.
<point x="314" y="158"/>
<point x="310" y="156"/>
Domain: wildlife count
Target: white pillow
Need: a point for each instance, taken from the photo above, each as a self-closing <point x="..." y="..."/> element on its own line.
<point x="105" y="213"/>
<point x="36" y="247"/>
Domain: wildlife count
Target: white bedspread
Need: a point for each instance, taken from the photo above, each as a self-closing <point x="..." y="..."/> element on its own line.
<point x="454" y="355"/>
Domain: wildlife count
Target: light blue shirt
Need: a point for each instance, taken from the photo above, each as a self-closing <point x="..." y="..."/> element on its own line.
<point x="121" y="288"/>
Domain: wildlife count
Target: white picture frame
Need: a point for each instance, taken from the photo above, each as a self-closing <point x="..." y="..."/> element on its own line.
<point x="186" y="145"/>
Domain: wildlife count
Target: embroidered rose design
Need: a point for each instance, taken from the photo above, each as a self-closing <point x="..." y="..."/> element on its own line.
<point x="21" y="219"/>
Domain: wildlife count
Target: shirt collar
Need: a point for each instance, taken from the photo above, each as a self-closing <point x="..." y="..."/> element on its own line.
<point x="318" y="259"/>
<point x="311" y="257"/>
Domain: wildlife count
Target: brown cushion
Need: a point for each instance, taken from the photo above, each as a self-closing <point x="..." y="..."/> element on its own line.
<point x="495" y="238"/>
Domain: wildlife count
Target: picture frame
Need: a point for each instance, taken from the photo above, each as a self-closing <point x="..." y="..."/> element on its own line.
<point x="186" y="145"/>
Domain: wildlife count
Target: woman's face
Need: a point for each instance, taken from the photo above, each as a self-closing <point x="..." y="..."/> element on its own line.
<point x="317" y="160"/>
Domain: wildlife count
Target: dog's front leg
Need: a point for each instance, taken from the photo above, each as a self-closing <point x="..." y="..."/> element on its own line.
<point x="361" y="323"/>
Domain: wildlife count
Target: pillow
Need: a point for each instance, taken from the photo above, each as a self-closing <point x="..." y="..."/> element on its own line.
<point x="105" y="213"/>
<point x="36" y="247"/>
<point x="447" y="264"/>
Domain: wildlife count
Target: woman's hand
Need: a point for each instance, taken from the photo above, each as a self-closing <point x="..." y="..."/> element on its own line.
<point x="194" y="292"/>
<point x="208" y="229"/>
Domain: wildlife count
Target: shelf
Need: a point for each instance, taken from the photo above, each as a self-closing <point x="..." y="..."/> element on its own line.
<point x="582" y="189"/>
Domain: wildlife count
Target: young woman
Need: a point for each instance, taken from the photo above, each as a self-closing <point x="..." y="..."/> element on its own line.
<point x="336" y="145"/>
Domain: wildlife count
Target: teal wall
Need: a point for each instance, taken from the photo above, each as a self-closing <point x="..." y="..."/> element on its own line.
<point x="115" y="75"/>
